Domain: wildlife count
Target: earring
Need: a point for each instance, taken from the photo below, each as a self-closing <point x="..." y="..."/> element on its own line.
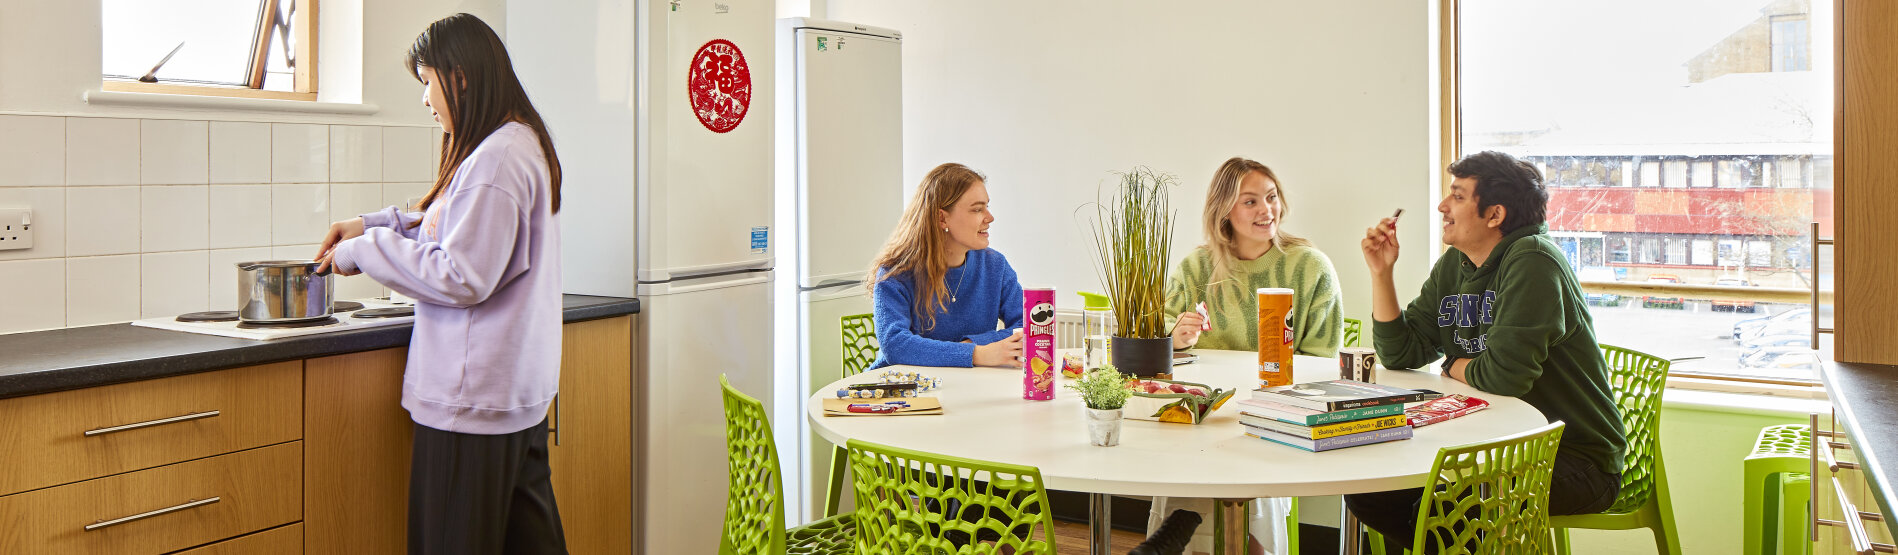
<point x="945" y="230"/>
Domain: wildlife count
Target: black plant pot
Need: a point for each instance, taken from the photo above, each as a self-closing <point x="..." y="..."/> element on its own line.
<point x="1145" y="358"/>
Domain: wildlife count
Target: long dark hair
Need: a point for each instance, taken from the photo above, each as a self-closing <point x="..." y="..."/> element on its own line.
<point x="482" y="93"/>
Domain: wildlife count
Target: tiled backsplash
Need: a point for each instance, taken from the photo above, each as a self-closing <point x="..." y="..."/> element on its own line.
<point x="138" y="218"/>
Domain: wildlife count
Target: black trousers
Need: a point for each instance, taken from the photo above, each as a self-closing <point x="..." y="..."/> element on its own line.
<point x="478" y="494"/>
<point x="1576" y="487"/>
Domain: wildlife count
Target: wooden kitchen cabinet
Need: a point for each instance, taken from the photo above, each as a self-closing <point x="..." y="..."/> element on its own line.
<point x="593" y="426"/>
<point x="282" y="540"/>
<point x="359" y="439"/>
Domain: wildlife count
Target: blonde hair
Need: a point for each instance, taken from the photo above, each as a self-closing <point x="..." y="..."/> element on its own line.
<point x="915" y="248"/>
<point x="1221" y="196"/>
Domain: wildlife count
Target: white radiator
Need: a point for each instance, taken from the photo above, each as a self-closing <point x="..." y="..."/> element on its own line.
<point x="1068" y="331"/>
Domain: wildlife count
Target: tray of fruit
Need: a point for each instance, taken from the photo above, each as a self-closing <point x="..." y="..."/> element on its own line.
<point x="1173" y="401"/>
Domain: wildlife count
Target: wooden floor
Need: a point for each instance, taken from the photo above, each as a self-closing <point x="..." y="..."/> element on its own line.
<point x="1070" y="538"/>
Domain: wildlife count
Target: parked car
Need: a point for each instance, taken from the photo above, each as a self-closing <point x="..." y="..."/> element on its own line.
<point x="1780" y="357"/>
<point x="1597" y="273"/>
<point x="1662" y="302"/>
<point x="1781" y="339"/>
<point x="1795" y="319"/>
<point x="1732" y="306"/>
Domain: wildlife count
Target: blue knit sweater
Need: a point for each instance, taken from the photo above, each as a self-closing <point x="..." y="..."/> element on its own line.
<point x="986" y="292"/>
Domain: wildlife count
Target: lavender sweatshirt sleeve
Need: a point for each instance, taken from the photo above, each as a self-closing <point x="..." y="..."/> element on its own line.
<point x="393" y="218"/>
<point x="900" y="342"/>
<point x="461" y="270"/>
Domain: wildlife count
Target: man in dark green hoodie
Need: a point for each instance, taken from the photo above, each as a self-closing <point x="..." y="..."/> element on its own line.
<point x="1503" y="309"/>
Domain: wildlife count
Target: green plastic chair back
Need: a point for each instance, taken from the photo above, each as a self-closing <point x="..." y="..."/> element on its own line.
<point x="1644" y="502"/>
<point x="1353" y="328"/>
<point x="860" y="343"/>
<point x="903" y="496"/>
<point x="754" y="503"/>
<point x="1490" y="497"/>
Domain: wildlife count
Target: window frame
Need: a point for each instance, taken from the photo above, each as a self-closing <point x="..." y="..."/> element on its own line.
<point x="1450" y="142"/>
<point x="303" y="26"/>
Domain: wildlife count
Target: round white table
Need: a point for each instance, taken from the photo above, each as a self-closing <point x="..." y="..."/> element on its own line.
<point x="984" y="417"/>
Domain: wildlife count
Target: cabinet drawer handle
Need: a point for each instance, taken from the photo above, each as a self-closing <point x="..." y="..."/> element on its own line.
<point x="144" y="515"/>
<point x="148" y="424"/>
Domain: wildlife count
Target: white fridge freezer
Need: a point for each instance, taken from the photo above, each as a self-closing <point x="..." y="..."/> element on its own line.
<point x="662" y="113"/>
<point x="840" y="193"/>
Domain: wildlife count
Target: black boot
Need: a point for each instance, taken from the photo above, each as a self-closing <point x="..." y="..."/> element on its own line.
<point x="1174" y="533"/>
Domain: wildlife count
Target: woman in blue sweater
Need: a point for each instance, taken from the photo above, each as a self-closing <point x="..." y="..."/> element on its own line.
<point x="940" y="290"/>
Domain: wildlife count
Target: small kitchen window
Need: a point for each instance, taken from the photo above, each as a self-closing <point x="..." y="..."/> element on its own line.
<point x="232" y="48"/>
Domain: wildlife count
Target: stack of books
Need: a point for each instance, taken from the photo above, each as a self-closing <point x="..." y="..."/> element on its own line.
<point x="1321" y="416"/>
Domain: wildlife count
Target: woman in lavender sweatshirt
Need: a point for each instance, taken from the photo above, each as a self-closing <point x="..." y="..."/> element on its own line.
<point x="481" y="257"/>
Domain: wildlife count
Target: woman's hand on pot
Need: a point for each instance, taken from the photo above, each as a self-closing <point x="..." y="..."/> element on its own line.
<point x="338" y="232"/>
<point x="326" y="263"/>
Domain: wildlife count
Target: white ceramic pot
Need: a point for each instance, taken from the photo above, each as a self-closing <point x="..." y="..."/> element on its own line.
<point x="1103" y="427"/>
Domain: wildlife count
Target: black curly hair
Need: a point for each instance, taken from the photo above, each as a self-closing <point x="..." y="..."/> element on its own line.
<point x="1505" y="180"/>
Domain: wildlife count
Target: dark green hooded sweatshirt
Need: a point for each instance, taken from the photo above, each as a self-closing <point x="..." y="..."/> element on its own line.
<point x="1522" y="319"/>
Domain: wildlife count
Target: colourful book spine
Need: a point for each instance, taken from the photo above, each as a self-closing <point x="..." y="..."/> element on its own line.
<point x="1329" y="430"/>
<point x="1307" y="417"/>
<point x="1327" y="444"/>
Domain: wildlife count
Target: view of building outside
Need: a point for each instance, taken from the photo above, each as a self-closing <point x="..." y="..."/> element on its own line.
<point x="1683" y="141"/>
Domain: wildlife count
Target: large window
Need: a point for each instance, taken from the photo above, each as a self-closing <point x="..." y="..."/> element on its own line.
<point x="247" y="48"/>
<point x="1692" y="149"/>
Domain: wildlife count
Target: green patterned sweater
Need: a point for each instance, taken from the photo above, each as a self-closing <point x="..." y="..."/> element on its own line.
<point x="1317" y="310"/>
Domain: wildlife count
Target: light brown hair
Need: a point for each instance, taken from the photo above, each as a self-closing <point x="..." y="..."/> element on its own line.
<point x="1221" y="196"/>
<point x="915" y="247"/>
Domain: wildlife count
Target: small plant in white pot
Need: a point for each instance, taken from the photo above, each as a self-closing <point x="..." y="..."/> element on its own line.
<point x="1104" y="391"/>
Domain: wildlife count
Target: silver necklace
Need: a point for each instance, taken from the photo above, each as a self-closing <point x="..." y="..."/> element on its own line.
<point x="958" y="289"/>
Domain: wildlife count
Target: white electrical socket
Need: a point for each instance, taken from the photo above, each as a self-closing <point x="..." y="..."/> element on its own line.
<point x="16" y="228"/>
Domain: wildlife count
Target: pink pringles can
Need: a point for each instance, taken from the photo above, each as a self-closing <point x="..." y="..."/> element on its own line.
<point x="1038" y="361"/>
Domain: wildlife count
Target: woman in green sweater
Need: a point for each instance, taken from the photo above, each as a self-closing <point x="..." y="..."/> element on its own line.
<point x="1246" y="249"/>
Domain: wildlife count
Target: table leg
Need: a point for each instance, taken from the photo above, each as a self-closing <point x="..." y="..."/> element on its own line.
<point x="1348" y="532"/>
<point x="1100" y="523"/>
<point x="1230" y="536"/>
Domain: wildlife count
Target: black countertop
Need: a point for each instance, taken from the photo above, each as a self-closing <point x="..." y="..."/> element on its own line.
<point x="1865" y="402"/>
<point x="74" y="358"/>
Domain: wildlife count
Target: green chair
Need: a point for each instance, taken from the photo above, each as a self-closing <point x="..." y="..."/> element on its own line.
<point x="914" y="502"/>
<point x="1777" y="489"/>
<point x="1490" y="497"/>
<point x="754" y="506"/>
<point x="860" y="350"/>
<point x="1352" y="329"/>
<point x="1644" y="502"/>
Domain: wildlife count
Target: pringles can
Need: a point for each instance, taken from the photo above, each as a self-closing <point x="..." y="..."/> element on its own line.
<point x="1038" y="360"/>
<point x="1357" y="363"/>
<point x="1275" y="337"/>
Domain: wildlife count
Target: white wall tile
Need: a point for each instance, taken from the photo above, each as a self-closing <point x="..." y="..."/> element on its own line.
<point x="32" y="295"/>
<point x="173" y="283"/>
<point x="348" y="200"/>
<point x="240" y="152"/>
<point x="406" y="154"/>
<point x="294" y="252"/>
<point x="101" y="220"/>
<point x="32" y="150"/>
<point x="221" y="274"/>
<point x="173" y="217"/>
<point x="240" y="216"/>
<point x="404" y="195"/>
<point x="172" y="152"/>
<point x="101" y="151"/>
<point x="300" y="214"/>
<point x="354" y="287"/>
<point x="101" y="290"/>
<point x="355" y="153"/>
<point x="49" y="220"/>
<point x="299" y="153"/>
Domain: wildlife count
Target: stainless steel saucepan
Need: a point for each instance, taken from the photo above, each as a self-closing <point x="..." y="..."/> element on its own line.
<point x="282" y="291"/>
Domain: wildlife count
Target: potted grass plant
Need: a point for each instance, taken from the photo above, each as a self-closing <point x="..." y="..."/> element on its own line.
<point x="1104" y="391"/>
<point x="1133" y="238"/>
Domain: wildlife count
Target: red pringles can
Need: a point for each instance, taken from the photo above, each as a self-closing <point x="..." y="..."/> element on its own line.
<point x="1038" y="361"/>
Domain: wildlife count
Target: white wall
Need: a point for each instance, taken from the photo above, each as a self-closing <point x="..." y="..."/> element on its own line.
<point x="1046" y="98"/>
<point x="50" y="52"/>
<point x="140" y="211"/>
